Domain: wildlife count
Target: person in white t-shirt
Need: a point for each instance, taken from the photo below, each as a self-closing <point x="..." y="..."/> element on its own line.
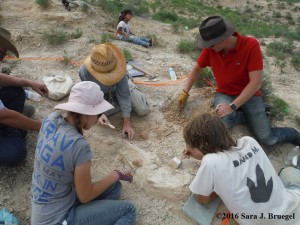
<point x="124" y="33"/>
<point x="240" y="173"/>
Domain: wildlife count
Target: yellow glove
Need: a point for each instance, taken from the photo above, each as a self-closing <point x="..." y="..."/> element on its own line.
<point x="182" y="98"/>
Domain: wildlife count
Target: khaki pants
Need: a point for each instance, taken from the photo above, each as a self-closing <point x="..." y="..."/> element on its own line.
<point x="139" y="102"/>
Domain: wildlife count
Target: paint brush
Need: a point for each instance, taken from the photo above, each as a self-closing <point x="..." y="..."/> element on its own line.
<point x="110" y="125"/>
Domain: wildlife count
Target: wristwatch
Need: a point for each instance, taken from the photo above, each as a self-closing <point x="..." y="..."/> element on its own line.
<point x="233" y="106"/>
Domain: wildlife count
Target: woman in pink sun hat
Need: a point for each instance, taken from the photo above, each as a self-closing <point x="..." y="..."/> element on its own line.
<point x="62" y="187"/>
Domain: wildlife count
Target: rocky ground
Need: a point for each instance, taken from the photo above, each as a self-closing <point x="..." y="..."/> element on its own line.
<point x="158" y="190"/>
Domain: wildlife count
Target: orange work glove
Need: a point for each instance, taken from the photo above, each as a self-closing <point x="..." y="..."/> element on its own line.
<point x="182" y="98"/>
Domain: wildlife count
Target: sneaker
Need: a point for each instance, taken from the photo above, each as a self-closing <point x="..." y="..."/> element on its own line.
<point x="28" y="110"/>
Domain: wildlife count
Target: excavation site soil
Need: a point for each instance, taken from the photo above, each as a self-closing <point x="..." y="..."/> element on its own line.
<point x="158" y="190"/>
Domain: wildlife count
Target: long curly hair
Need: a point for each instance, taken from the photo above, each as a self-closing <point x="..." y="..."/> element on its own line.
<point x="208" y="134"/>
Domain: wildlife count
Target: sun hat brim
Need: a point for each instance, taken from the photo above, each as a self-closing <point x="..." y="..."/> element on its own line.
<point x="7" y="44"/>
<point x="111" y="77"/>
<point x="84" y="109"/>
<point x="200" y="43"/>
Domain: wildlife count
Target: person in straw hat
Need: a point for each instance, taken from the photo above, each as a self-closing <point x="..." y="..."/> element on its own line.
<point x="62" y="188"/>
<point x="237" y="65"/>
<point x="106" y="66"/>
<point x="13" y="124"/>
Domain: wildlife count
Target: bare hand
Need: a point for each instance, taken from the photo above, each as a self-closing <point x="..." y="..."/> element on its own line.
<point x="223" y="110"/>
<point x="126" y="176"/>
<point x="102" y="120"/>
<point x="127" y="130"/>
<point x="192" y="152"/>
<point x="39" y="88"/>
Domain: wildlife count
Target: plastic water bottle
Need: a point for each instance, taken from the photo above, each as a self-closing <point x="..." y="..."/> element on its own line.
<point x="33" y="96"/>
<point x="288" y="160"/>
<point x="172" y="73"/>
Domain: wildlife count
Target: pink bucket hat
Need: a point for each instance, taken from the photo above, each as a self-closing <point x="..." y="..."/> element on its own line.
<point x="86" y="98"/>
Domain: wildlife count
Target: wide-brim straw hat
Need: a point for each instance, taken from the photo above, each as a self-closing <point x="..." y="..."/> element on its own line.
<point x="86" y="98"/>
<point x="106" y="63"/>
<point x="213" y="30"/>
<point x="5" y="42"/>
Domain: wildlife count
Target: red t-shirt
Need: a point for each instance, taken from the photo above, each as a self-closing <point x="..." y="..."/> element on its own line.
<point x="232" y="70"/>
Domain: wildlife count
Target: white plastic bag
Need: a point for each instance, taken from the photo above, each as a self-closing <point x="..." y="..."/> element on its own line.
<point x="58" y="84"/>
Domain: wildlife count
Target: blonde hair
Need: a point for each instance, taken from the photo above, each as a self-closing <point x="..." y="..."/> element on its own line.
<point x="208" y="134"/>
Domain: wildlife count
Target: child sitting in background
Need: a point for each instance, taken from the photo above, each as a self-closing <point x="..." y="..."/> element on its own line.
<point x="124" y="33"/>
<point x="241" y="174"/>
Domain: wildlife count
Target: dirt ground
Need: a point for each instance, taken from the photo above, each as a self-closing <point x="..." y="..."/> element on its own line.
<point x="158" y="192"/>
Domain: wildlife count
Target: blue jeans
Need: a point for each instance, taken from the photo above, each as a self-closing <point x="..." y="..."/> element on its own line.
<point x="106" y="209"/>
<point x="137" y="40"/>
<point x="12" y="140"/>
<point x="253" y="113"/>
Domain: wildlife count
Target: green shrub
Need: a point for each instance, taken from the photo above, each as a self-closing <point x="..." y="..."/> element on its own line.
<point x="127" y="54"/>
<point x="280" y="50"/>
<point x="175" y="26"/>
<point x="76" y="34"/>
<point x="55" y="36"/>
<point x="84" y="8"/>
<point x="113" y="7"/>
<point x="42" y="3"/>
<point x="296" y="60"/>
<point x="185" y="46"/>
<point x="266" y="87"/>
<point x="289" y="16"/>
<point x="155" y="40"/>
<point x="106" y="38"/>
<point x="290" y="1"/>
<point x="277" y="15"/>
<point x="278" y="108"/>
<point x="165" y="17"/>
<point x="206" y="74"/>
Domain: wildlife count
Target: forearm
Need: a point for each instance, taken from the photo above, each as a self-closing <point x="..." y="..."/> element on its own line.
<point x="253" y="86"/>
<point x="9" y="81"/>
<point x="193" y="76"/>
<point x="100" y="186"/>
<point x="246" y="94"/>
<point x="126" y="121"/>
<point x="18" y="120"/>
<point x="206" y="199"/>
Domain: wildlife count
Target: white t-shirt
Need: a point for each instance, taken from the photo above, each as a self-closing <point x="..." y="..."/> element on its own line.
<point x="249" y="186"/>
<point x="125" y="28"/>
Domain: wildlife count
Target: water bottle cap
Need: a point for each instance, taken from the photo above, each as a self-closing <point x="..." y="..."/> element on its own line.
<point x="171" y="68"/>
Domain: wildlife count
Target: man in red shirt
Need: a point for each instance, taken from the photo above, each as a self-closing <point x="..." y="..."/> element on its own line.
<point x="237" y="65"/>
